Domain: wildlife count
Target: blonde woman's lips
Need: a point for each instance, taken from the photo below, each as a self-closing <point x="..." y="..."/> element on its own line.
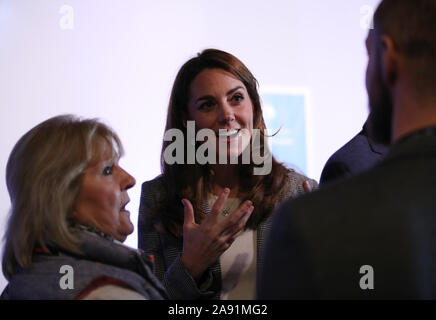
<point x="125" y="212"/>
<point x="123" y="207"/>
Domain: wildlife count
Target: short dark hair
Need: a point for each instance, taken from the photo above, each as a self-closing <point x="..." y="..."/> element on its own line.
<point x="411" y="25"/>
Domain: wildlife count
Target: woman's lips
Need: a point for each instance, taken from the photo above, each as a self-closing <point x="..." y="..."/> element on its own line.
<point x="227" y="134"/>
<point x="123" y="207"/>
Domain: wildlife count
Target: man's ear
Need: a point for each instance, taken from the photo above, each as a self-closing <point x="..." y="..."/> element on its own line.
<point x="389" y="60"/>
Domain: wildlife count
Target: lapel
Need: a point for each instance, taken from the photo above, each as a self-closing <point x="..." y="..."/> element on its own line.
<point x="375" y="147"/>
<point x="215" y="269"/>
<point x="262" y="232"/>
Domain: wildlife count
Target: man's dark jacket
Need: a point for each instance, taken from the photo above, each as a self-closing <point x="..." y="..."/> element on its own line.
<point x="384" y="218"/>
<point x="359" y="154"/>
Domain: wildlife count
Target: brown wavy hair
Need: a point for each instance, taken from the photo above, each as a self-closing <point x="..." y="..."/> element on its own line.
<point x="192" y="181"/>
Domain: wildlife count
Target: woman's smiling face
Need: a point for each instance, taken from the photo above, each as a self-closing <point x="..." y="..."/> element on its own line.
<point x="219" y="101"/>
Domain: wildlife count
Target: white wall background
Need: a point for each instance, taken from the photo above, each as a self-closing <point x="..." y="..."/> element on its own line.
<point x="120" y="58"/>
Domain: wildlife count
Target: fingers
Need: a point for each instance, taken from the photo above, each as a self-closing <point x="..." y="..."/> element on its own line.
<point x="237" y="225"/>
<point x="188" y="211"/>
<point x="306" y="186"/>
<point x="219" y="203"/>
<point x="237" y="220"/>
<point x="230" y="234"/>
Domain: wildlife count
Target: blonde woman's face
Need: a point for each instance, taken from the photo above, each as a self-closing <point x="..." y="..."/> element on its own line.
<point x="103" y="197"/>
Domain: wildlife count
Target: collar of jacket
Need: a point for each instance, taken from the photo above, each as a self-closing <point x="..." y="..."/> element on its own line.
<point x="420" y="144"/>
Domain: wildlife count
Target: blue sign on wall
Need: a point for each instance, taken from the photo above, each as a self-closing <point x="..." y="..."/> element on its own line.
<point x="285" y="113"/>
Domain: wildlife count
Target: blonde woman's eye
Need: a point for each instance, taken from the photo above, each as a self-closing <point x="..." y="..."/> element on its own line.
<point x="108" y="170"/>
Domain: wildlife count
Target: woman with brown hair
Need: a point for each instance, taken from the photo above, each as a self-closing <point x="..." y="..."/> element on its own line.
<point x="205" y="221"/>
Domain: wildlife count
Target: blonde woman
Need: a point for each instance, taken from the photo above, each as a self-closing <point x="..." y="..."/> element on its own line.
<point x="69" y="217"/>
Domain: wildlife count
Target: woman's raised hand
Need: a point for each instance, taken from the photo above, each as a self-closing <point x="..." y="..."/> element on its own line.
<point x="204" y="243"/>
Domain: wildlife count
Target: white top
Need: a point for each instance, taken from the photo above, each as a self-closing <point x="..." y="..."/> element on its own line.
<point x="238" y="263"/>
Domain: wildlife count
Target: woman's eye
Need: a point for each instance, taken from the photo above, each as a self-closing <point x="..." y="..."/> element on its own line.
<point x="206" y="105"/>
<point x="238" y="97"/>
<point x="108" y="170"/>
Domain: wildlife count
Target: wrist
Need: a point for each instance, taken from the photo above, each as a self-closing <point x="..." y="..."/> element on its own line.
<point x="192" y="270"/>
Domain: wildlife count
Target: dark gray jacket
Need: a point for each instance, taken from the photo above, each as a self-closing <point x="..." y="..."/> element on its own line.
<point x="384" y="218"/>
<point x="357" y="155"/>
<point x="102" y="259"/>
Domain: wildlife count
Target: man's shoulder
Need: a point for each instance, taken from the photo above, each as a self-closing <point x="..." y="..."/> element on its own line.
<point x="342" y="195"/>
<point x="359" y="143"/>
<point x="354" y="157"/>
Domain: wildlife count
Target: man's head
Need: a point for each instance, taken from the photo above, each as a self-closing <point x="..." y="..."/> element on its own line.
<point x="402" y="44"/>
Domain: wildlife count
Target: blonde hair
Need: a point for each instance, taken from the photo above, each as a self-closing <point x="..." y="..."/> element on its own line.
<point x="43" y="176"/>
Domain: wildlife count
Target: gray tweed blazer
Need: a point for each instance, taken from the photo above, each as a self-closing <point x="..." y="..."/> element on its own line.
<point x="167" y="249"/>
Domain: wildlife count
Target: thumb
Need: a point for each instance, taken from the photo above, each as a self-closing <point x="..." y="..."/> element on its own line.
<point x="188" y="213"/>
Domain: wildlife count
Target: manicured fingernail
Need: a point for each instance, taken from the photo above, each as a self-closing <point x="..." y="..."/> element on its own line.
<point x="183" y="202"/>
